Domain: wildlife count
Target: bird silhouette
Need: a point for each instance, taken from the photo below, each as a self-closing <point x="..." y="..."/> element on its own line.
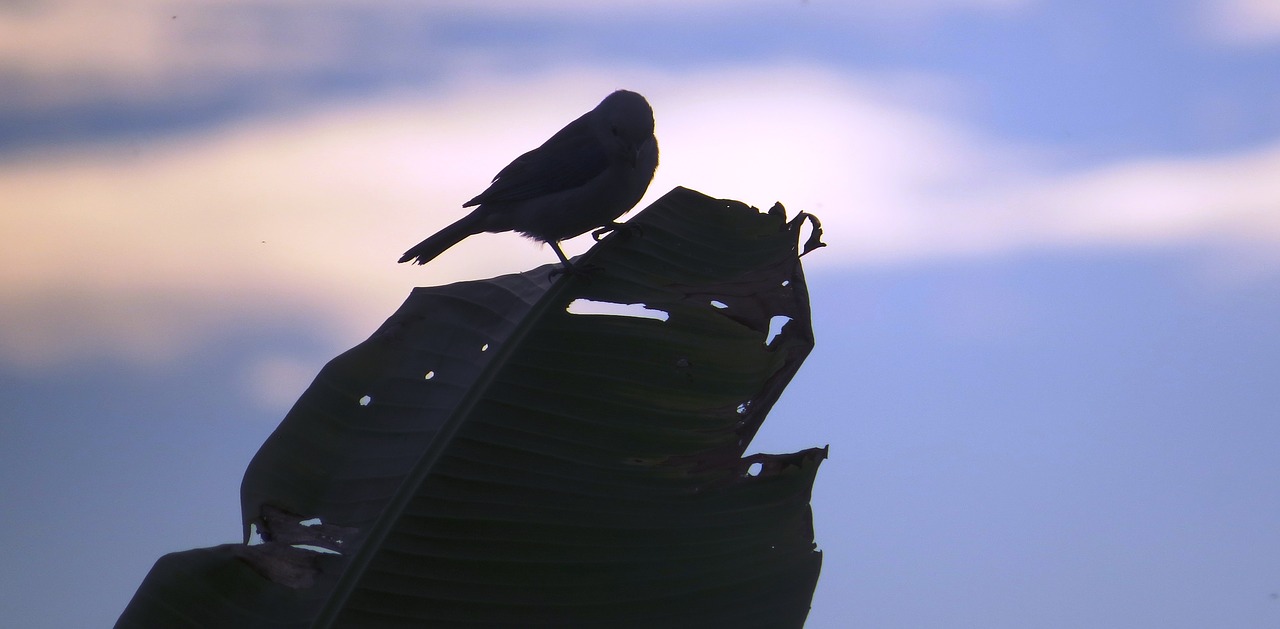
<point x="588" y="174"/>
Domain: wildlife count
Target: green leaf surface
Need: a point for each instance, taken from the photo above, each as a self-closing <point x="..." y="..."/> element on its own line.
<point x="492" y="457"/>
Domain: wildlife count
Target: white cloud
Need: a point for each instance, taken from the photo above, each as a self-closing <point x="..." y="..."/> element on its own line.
<point x="131" y="51"/>
<point x="144" y="250"/>
<point x="1242" y="22"/>
<point x="138" y="249"/>
<point x="141" y="50"/>
<point x="893" y="184"/>
<point x="1162" y="201"/>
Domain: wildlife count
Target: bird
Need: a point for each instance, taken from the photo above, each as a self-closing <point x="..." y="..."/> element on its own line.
<point x="584" y="177"/>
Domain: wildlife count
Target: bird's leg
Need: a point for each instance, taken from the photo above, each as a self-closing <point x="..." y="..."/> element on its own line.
<point x="567" y="268"/>
<point x="555" y="244"/>
<point x="583" y="270"/>
<point x="626" y="228"/>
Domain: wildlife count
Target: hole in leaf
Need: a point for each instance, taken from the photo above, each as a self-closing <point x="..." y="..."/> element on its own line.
<point x="255" y="537"/>
<point x="743" y="407"/>
<point x="311" y="522"/>
<point x="364" y="401"/>
<point x="430" y="375"/>
<point x="776" y="324"/>
<point x="607" y="308"/>
<point x="715" y="303"/>
<point x="484" y="348"/>
<point x="754" y="469"/>
<point x="316" y="549"/>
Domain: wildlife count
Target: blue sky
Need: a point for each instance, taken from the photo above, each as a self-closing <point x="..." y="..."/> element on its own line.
<point x="1048" y="320"/>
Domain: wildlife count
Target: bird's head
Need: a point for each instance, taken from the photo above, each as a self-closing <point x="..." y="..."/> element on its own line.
<point x="624" y="121"/>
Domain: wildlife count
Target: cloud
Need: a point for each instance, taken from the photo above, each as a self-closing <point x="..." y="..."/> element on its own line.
<point x="69" y="52"/>
<point x="1162" y="201"/>
<point x="144" y="250"/>
<point x="137" y="51"/>
<point x="894" y="183"/>
<point x="1242" y="22"/>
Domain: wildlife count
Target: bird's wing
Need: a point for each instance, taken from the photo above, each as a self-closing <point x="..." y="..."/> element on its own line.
<point x="572" y="157"/>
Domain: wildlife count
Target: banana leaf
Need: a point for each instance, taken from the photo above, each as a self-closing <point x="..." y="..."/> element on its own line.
<point x="541" y="450"/>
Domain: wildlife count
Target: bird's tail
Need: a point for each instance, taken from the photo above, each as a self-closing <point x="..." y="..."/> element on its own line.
<point x="440" y="241"/>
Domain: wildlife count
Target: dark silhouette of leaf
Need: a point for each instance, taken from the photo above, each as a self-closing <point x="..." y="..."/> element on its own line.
<point x="525" y="452"/>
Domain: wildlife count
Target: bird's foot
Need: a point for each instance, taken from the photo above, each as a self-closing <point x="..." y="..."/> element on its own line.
<point x="627" y="229"/>
<point x="582" y="271"/>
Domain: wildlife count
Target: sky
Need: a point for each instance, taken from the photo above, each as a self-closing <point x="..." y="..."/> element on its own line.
<point x="1047" y="321"/>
